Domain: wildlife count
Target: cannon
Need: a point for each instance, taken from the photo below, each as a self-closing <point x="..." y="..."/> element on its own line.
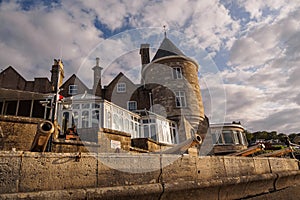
<point x="182" y="147"/>
<point x="249" y="151"/>
<point x="277" y="153"/>
<point x="43" y="133"/>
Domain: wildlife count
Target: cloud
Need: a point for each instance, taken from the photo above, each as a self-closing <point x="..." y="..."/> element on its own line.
<point x="31" y="39"/>
<point x="260" y="38"/>
<point x="267" y="60"/>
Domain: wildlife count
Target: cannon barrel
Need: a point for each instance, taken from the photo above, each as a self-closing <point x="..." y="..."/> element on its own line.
<point x="43" y="133"/>
<point x="182" y="147"/>
<point x="249" y="151"/>
<point x="277" y="153"/>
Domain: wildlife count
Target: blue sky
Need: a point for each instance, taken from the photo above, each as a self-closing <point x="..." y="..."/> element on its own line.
<point x="248" y="50"/>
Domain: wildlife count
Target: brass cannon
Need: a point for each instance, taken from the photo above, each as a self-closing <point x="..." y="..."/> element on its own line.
<point x="43" y="133"/>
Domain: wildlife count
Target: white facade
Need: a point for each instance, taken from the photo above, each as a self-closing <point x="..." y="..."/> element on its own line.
<point x="89" y="111"/>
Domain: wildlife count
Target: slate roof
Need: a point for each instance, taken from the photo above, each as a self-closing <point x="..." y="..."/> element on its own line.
<point x="167" y="48"/>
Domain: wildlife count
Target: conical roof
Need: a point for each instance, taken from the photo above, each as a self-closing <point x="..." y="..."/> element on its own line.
<point x="167" y="48"/>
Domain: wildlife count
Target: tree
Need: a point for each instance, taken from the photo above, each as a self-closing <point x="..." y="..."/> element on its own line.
<point x="281" y="137"/>
<point x="292" y="136"/>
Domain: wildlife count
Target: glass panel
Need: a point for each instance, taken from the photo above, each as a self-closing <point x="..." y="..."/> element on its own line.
<point x="95" y="118"/>
<point x="85" y="119"/>
<point x="85" y="106"/>
<point x="116" y="122"/>
<point x="228" y="137"/>
<point x="108" y="119"/>
<point x="242" y="138"/>
<point x="235" y="137"/>
<point x="146" y="131"/>
<point x="126" y="125"/>
<point x="153" y="131"/>
<point x="75" y="119"/>
<point x="65" y="122"/>
<point x="76" y="106"/>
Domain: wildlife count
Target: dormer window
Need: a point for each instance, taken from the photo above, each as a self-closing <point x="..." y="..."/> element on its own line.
<point x="73" y="89"/>
<point x="177" y="72"/>
<point x="121" y="87"/>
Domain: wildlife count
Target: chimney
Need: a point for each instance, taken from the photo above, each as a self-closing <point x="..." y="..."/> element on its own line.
<point x="57" y="75"/>
<point x="97" y="87"/>
<point x="145" y="56"/>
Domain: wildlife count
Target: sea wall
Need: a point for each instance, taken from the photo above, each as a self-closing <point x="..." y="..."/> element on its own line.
<point x="150" y="176"/>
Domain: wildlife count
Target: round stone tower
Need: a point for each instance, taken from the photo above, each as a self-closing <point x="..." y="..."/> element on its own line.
<point x="177" y="89"/>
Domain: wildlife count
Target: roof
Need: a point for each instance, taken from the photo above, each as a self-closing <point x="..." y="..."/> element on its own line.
<point x="11" y="94"/>
<point x="117" y="78"/>
<point x="167" y="48"/>
<point x="84" y="96"/>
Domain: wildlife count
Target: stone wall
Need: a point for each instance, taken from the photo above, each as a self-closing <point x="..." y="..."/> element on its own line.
<point x="119" y="175"/>
<point x="113" y="141"/>
<point x="148" y="144"/>
<point x="18" y="132"/>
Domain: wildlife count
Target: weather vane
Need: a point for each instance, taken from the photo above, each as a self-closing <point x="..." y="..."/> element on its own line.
<point x="165" y="30"/>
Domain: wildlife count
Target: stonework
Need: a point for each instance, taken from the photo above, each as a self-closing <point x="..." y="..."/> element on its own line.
<point x="50" y="175"/>
<point x="161" y="73"/>
<point x="18" y="132"/>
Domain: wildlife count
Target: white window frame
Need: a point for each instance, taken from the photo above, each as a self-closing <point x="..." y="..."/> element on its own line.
<point x="121" y="87"/>
<point x="129" y="107"/>
<point x="180" y="97"/>
<point x="177" y="72"/>
<point x="73" y="89"/>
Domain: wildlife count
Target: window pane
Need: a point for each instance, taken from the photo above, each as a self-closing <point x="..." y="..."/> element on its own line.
<point x="95" y="118"/>
<point x="95" y="105"/>
<point x="24" y="108"/>
<point x="86" y="105"/>
<point x="235" y="137"/>
<point x="177" y="74"/>
<point x="242" y="138"/>
<point x="121" y="87"/>
<point x="180" y="99"/>
<point x="76" y="106"/>
<point x="153" y="131"/>
<point x="73" y="89"/>
<point x="131" y="105"/>
<point x="146" y="131"/>
<point x="75" y="118"/>
<point x="85" y="119"/>
<point x="228" y="137"/>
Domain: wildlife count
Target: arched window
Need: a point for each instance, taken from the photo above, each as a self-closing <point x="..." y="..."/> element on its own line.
<point x="85" y="119"/>
<point x="95" y="118"/>
<point x="75" y="119"/>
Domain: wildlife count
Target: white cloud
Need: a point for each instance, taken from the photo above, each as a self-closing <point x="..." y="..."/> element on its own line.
<point x="33" y="38"/>
<point x="261" y="81"/>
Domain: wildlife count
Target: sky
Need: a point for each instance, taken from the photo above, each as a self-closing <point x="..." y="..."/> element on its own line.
<point x="248" y="50"/>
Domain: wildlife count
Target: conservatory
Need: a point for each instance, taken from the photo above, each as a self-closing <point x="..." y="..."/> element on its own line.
<point x="88" y="111"/>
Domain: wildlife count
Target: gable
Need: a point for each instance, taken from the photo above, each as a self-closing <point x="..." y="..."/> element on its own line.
<point x="11" y="79"/>
<point x="73" y="80"/>
<point x="120" y="78"/>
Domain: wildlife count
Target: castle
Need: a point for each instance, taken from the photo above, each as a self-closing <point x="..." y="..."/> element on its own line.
<point x="165" y="107"/>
